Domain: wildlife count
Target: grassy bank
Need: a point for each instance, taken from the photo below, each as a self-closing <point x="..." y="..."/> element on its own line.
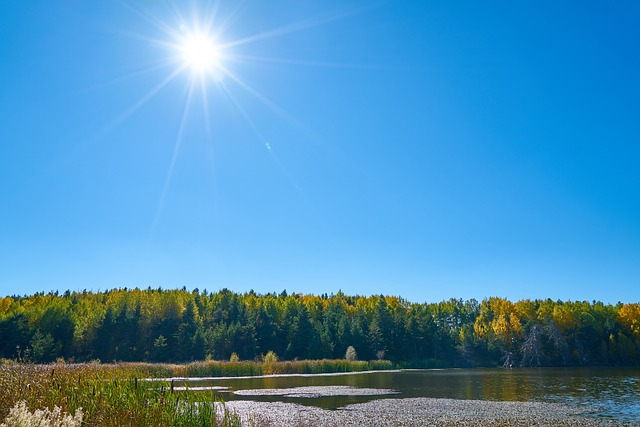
<point x="109" y="395"/>
<point x="113" y="395"/>
<point x="215" y="368"/>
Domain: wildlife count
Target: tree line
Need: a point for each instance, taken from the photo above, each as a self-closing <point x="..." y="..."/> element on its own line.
<point x="159" y="325"/>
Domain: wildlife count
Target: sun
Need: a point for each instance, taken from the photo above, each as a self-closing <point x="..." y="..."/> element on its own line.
<point x="200" y="53"/>
<point x="206" y="53"/>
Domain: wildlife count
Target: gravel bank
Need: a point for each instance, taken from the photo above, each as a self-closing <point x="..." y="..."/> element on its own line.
<point x="417" y="412"/>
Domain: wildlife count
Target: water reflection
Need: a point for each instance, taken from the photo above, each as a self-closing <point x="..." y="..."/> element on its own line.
<point x="615" y="392"/>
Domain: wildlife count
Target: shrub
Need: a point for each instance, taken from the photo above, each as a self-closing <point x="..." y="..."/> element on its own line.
<point x="270" y="357"/>
<point x="269" y="365"/>
<point x="351" y="354"/>
<point x="20" y="416"/>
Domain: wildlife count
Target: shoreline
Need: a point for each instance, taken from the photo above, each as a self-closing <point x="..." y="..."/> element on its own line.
<point x="245" y="377"/>
<point x="419" y="412"/>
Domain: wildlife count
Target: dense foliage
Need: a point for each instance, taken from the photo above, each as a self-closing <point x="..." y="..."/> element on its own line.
<point x="179" y="326"/>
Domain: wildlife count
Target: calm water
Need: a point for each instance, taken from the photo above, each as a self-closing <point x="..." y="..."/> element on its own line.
<point x="614" y="392"/>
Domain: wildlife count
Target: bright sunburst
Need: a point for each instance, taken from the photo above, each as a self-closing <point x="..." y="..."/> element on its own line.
<point x="200" y="52"/>
<point x="204" y="48"/>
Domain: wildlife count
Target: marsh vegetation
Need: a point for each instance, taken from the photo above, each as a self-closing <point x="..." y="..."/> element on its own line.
<point x="106" y="395"/>
<point x="121" y="394"/>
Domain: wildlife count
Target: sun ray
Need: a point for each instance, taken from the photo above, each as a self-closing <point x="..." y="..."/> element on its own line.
<point x="244" y="114"/>
<point x="262" y="98"/>
<point x="277" y="32"/>
<point x="207" y="17"/>
<point x="211" y="12"/>
<point x="270" y="104"/>
<point x="128" y="112"/>
<point x="165" y="28"/>
<point x="197" y="45"/>
<point x="174" y="157"/>
<point x="153" y="67"/>
<point x="293" y="28"/>
<point x="121" y="118"/>
<point x="310" y="136"/>
<point x="268" y="147"/>
<point x="230" y="18"/>
<point x="246" y="59"/>
<point x="205" y="106"/>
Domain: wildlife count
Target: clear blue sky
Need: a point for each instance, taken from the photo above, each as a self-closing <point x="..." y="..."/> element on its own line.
<point x="427" y="149"/>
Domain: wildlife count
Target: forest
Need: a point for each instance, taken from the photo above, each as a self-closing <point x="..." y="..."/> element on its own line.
<point x="157" y="325"/>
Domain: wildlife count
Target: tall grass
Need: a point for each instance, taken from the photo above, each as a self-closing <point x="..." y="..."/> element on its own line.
<point x="114" y="395"/>
<point x="215" y="368"/>
<point x="109" y="395"/>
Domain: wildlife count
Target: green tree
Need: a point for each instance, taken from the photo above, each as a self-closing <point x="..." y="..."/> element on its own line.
<point x="43" y="347"/>
<point x="351" y="354"/>
<point x="160" y="349"/>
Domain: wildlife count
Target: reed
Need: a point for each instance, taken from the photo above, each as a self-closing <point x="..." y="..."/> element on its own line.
<point x="116" y="395"/>
<point x="223" y="368"/>
<point x="215" y="368"/>
<point x="109" y="395"/>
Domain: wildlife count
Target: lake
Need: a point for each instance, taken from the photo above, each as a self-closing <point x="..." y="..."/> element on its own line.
<point x="613" y="392"/>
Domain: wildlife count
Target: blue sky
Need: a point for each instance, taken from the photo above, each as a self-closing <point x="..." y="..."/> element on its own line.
<point x="423" y="149"/>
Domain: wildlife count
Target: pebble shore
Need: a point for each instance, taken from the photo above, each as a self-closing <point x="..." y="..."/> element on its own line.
<point x="418" y="412"/>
